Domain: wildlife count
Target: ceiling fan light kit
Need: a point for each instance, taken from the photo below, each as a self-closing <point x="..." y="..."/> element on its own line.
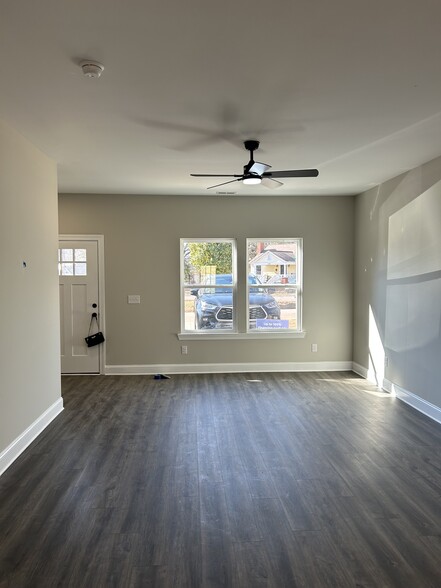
<point x="255" y="172"/>
<point x="252" y="180"/>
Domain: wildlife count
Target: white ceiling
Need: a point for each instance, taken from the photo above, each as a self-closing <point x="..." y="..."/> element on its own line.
<point x="350" y="87"/>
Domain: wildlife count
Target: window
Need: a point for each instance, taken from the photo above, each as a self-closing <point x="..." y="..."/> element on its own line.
<point x="274" y="284"/>
<point x="211" y="302"/>
<point x="72" y="262"/>
<point x="208" y="285"/>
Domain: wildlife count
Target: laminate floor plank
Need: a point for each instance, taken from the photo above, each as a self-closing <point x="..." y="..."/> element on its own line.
<point x="226" y="480"/>
<point x="380" y="547"/>
<point x="250" y="565"/>
<point x="217" y="547"/>
<point x="283" y="559"/>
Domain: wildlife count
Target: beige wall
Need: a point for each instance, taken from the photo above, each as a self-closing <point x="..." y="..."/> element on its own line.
<point x="29" y="315"/>
<point x="397" y="279"/>
<point x="142" y="257"/>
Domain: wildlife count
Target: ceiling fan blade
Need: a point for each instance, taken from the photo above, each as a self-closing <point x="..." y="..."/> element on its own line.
<point x="258" y="168"/>
<point x="270" y="183"/>
<point x="223" y="183"/>
<point x="292" y="173"/>
<point x="205" y="136"/>
<point x="216" y="175"/>
<point x="215" y="137"/>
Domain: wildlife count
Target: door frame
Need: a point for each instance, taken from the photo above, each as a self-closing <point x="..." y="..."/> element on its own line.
<point x="101" y="297"/>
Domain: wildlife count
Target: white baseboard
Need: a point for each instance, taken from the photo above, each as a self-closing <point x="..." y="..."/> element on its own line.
<point x="427" y="408"/>
<point x="369" y="374"/>
<point x="10" y="454"/>
<point x="360" y="370"/>
<point x="219" y="368"/>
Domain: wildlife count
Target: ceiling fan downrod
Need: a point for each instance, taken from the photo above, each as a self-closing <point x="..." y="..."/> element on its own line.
<point x="251" y="145"/>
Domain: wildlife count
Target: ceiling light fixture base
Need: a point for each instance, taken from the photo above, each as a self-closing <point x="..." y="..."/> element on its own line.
<point x="251" y="145"/>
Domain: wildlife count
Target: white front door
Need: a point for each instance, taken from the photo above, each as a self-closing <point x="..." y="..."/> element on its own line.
<point x="79" y="298"/>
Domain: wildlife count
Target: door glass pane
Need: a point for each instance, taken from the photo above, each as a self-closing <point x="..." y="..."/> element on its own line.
<point x="67" y="269"/>
<point x="72" y="262"/>
<point x="80" y="255"/>
<point x="67" y="255"/>
<point x="80" y="269"/>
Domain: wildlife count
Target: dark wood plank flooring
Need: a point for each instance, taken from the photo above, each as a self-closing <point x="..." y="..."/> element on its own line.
<point x="242" y="480"/>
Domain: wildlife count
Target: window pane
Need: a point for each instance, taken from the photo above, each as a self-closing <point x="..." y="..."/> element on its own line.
<point x="273" y="308"/>
<point x="277" y="265"/>
<point x="67" y="269"/>
<point x="80" y="255"/>
<point x="67" y="255"/>
<point x="275" y="262"/>
<point x="80" y="269"/>
<point x="208" y="309"/>
<point x="208" y="262"/>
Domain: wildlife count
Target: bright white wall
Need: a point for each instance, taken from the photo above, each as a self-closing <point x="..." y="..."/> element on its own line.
<point x="397" y="306"/>
<point x="29" y="307"/>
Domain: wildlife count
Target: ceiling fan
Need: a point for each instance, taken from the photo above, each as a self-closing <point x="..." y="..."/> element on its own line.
<point x="255" y="172"/>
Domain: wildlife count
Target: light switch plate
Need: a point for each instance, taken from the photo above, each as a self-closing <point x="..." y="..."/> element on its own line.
<point x="133" y="299"/>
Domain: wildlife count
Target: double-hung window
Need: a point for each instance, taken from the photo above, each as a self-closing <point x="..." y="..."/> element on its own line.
<point x="208" y="285"/>
<point x="274" y="284"/>
<point x="271" y="298"/>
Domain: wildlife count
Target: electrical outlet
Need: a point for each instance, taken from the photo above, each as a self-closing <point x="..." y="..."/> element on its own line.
<point x="184" y="349"/>
<point x="314" y="347"/>
<point x="133" y="299"/>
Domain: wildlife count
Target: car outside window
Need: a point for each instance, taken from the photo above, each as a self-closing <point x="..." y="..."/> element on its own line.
<point x="208" y="285"/>
<point x="275" y="305"/>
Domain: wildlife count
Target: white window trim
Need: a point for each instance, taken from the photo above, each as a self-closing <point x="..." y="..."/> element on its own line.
<point x="289" y="333"/>
<point x="250" y="334"/>
<point x="210" y="334"/>
<point x="187" y="336"/>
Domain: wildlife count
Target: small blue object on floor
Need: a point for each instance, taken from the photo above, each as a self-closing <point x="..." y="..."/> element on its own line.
<point x="161" y="377"/>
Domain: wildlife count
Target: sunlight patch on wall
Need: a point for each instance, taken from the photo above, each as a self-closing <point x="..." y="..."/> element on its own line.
<point x="376" y="352"/>
<point x="414" y="273"/>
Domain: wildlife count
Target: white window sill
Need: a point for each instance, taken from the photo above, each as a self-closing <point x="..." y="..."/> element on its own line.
<point x="260" y="335"/>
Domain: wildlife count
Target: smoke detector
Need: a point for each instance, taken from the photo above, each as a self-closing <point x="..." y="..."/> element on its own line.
<point x="91" y="69"/>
